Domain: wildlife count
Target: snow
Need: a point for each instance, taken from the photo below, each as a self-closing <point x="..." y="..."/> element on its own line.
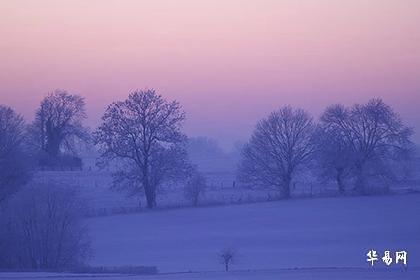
<point x="291" y="274"/>
<point x="323" y="238"/>
<point x="299" y="233"/>
<point x="95" y="188"/>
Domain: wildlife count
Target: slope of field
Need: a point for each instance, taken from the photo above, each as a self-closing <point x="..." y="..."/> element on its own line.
<point x="299" y="233"/>
<point x="95" y="188"/>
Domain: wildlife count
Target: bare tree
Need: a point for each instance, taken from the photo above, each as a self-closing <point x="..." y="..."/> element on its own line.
<point x="227" y="257"/>
<point x="279" y="145"/>
<point x="43" y="228"/>
<point x="58" y="123"/>
<point x="143" y="134"/>
<point x="14" y="167"/>
<point x="195" y="187"/>
<point x="334" y="157"/>
<point x="373" y="134"/>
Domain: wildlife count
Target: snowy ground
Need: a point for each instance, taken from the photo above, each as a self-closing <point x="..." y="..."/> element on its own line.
<point x="302" y="233"/>
<point x="94" y="187"/>
<point x="302" y="274"/>
<point x="323" y="238"/>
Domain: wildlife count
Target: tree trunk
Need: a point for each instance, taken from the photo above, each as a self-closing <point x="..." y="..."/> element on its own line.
<point x="360" y="180"/>
<point x="150" y="196"/>
<point x="286" y="186"/>
<point x="149" y="190"/>
<point x="153" y="191"/>
<point x="226" y="267"/>
<point x="340" y="182"/>
<point x="148" y="199"/>
<point x="53" y="141"/>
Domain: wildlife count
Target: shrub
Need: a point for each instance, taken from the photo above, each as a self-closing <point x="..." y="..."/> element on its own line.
<point x="195" y="188"/>
<point x="43" y="228"/>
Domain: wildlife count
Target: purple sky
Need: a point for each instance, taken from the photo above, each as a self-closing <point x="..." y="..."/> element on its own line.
<point x="228" y="62"/>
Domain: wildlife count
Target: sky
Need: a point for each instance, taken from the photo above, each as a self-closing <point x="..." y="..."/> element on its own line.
<point x="229" y="63"/>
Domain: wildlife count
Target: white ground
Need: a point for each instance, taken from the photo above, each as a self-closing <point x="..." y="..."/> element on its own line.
<point x="303" y="274"/>
<point x="324" y="238"/>
<point x="302" y="233"/>
<point x="94" y="187"/>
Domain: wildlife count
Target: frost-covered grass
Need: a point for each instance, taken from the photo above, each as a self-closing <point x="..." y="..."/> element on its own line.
<point x="291" y="274"/>
<point x="324" y="238"/>
<point x="323" y="232"/>
<point x="94" y="186"/>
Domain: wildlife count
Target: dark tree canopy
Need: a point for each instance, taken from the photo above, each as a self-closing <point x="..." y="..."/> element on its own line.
<point x="143" y="133"/>
<point x="371" y="135"/>
<point x="279" y="145"/>
<point x="14" y="165"/>
<point x="58" y="123"/>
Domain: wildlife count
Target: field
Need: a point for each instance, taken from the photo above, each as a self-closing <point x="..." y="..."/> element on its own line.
<point x="294" y="274"/>
<point x="323" y="238"/>
<point x="324" y="232"/>
<point x="94" y="187"/>
<point x="301" y="238"/>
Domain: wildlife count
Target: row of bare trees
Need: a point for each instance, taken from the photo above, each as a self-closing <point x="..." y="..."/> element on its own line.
<point x="355" y="147"/>
<point x="142" y="138"/>
<point x="48" y="141"/>
<point x="41" y="224"/>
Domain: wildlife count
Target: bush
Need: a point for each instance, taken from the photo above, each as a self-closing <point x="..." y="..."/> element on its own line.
<point x="42" y="227"/>
<point x="195" y="187"/>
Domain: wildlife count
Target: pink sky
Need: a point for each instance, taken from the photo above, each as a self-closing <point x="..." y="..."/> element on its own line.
<point x="228" y="62"/>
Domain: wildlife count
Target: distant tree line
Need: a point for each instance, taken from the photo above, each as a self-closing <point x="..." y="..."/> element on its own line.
<point x="142" y="136"/>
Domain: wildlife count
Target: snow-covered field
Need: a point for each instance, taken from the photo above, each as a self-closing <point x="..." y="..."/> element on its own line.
<point x="301" y="233"/>
<point x="323" y="238"/>
<point x="293" y="274"/>
<point x="94" y="187"/>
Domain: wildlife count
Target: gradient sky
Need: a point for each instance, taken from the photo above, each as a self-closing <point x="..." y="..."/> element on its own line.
<point x="228" y="62"/>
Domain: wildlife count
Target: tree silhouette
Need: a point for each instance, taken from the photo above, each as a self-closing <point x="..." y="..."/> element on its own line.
<point x="144" y="134"/>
